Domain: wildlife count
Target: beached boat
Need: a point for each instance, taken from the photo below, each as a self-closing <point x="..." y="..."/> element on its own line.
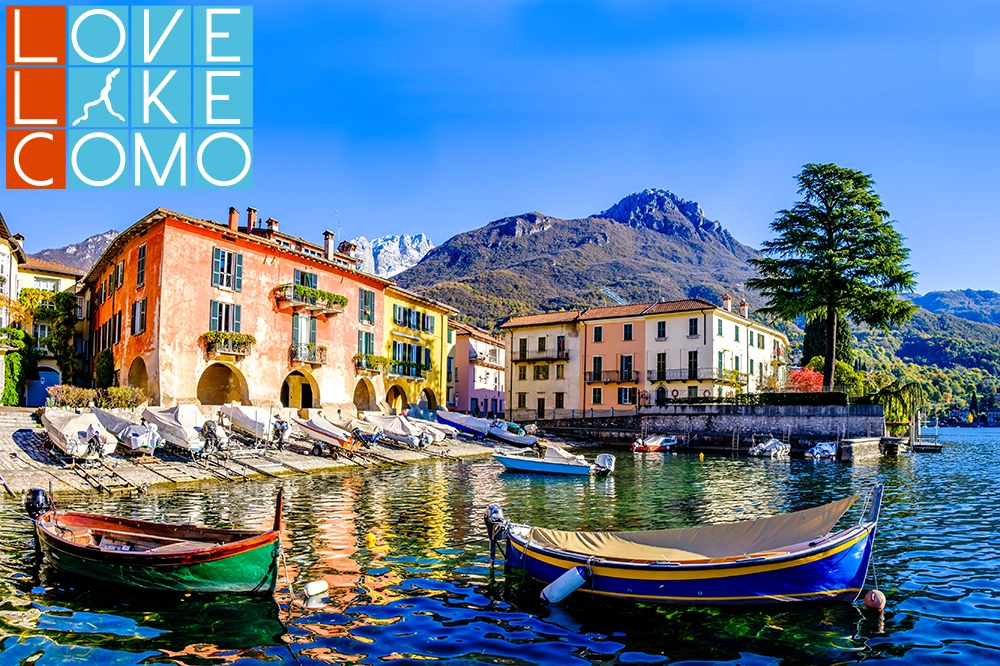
<point x="186" y="428"/>
<point x="325" y="435"/>
<point x="770" y="448"/>
<point x="790" y="557"/>
<point x="655" y="444"/>
<point x="464" y="423"/>
<point x="823" y="451"/>
<point x="448" y="430"/>
<point x="257" y="423"/>
<point x="429" y="432"/>
<point x="397" y="429"/>
<point x="78" y="435"/>
<point x="555" y="461"/>
<point x="500" y="430"/>
<point x="156" y="556"/>
<point x="135" y="437"/>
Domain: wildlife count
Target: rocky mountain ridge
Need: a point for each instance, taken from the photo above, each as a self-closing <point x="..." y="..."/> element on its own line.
<point x="388" y="256"/>
<point x="82" y="255"/>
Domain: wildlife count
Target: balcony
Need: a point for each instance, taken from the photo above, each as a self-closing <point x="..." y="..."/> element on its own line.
<point x="228" y="343"/>
<point x="697" y="374"/>
<point x="296" y="298"/>
<point x="412" y="371"/>
<point x="307" y="353"/>
<point x="486" y="359"/>
<point x="368" y="364"/>
<point x="613" y="376"/>
<point x="523" y="355"/>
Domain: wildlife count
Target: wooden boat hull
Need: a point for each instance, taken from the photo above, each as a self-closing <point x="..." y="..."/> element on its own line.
<point x="541" y="466"/>
<point x="834" y="571"/>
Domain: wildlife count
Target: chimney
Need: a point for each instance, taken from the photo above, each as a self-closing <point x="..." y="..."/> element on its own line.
<point x="328" y="244"/>
<point x="727" y="303"/>
<point x="234" y="219"/>
<point x="347" y="247"/>
<point x="251" y="218"/>
<point x="272" y="224"/>
<point x="744" y="309"/>
<point x="19" y="237"/>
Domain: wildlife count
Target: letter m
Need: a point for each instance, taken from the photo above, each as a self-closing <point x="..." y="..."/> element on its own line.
<point x="142" y="151"/>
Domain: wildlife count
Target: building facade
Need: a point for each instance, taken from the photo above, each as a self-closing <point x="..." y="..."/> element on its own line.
<point x="479" y="371"/>
<point x="544" y="362"/>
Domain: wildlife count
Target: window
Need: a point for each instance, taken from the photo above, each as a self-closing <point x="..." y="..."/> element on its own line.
<point x="561" y="371"/>
<point x="598" y="366"/>
<point x="305" y="279"/>
<point x="366" y="306"/>
<point x="427" y="322"/>
<point x="46" y="285"/>
<point x="750" y="369"/>
<point x="693" y="327"/>
<point x="137" y="323"/>
<point x="522" y="373"/>
<point x="120" y="274"/>
<point x="561" y="343"/>
<point x="661" y="330"/>
<point x="41" y="332"/>
<point x="720" y="327"/>
<point x="721" y="366"/>
<point x="226" y="317"/>
<point x="451" y="335"/>
<point x="627" y="332"/>
<point x="560" y="400"/>
<point x="692" y="391"/>
<point x="541" y="372"/>
<point x="227" y="269"/>
<point x="522" y="348"/>
<point x="596" y="395"/>
<point x="541" y="406"/>
<point x="736" y="363"/>
<point x="693" y="365"/>
<point x="625" y="368"/>
<point x="626" y="395"/>
<point x="522" y="400"/>
<point x="760" y="341"/>
<point x="737" y="330"/>
<point x="140" y="266"/>
<point x="117" y="327"/>
<point x="598" y="334"/>
<point x="366" y="343"/>
<point x="541" y="344"/>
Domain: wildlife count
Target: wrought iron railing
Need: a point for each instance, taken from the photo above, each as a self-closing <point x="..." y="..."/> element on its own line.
<point x="307" y="353"/>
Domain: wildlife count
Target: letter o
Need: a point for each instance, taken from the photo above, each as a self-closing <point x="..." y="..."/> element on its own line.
<point x="201" y="156"/>
<point x="98" y="12"/>
<point x="17" y="159"/>
<point x="121" y="159"/>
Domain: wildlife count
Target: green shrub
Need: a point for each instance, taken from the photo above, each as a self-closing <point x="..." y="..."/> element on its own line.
<point x="113" y="397"/>
<point x="105" y="362"/>
<point x="20" y="364"/>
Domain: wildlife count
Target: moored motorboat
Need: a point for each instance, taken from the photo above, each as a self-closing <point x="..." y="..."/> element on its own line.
<point x="822" y="451"/>
<point x="325" y="435"/>
<point x="137" y="438"/>
<point x="789" y="557"/>
<point x="156" y="556"/>
<point x="186" y="428"/>
<point x="654" y="444"/>
<point x="397" y="429"/>
<point x="464" y="423"/>
<point x="770" y="448"/>
<point x="555" y="461"/>
<point x="257" y="423"/>
<point x="78" y="435"/>
<point x="500" y="430"/>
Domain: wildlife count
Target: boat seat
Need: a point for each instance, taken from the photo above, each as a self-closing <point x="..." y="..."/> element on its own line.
<point x="181" y="546"/>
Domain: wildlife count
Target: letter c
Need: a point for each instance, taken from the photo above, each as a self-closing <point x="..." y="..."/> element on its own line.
<point x="17" y="159"/>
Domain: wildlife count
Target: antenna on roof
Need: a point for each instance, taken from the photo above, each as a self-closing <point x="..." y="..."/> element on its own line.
<point x="613" y="296"/>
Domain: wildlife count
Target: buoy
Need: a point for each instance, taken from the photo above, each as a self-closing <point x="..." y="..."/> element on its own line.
<point x="701" y="456"/>
<point x="563" y="586"/>
<point x="315" y="602"/>
<point x="875" y="600"/>
<point x="316" y="588"/>
<point x="370" y="540"/>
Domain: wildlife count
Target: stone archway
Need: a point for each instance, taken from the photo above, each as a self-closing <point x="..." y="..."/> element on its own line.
<point x="396" y="399"/>
<point x="364" y="396"/>
<point x="428" y="400"/>
<point x="137" y="375"/>
<point x="300" y="391"/>
<point x="222" y="383"/>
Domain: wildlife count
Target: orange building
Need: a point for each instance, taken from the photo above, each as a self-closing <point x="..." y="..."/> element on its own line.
<point x="199" y="311"/>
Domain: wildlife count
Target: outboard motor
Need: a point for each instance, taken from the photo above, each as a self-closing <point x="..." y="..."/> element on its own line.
<point x="280" y="434"/>
<point x="210" y="433"/>
<point x="496" y="526"/>
<point x="37" y="502"/>
<point x="605" y="463"/>
<point x="94" y="442"/>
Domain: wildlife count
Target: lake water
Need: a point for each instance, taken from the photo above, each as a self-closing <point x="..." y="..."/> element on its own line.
<point x="422" y="589"/>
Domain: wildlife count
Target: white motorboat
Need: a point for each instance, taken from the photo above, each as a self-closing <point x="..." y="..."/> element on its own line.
<point x="186" y="428"/>
<point x="257" y="423"/>
<point x="399" y="429"/>
<point x="136" y="437"/>
<point x="555" y="461"/>
<point x="823" y="451"/>
<point x="501" y="430"/>
<point x="428" y="431"/>
<point x="324" y="434"/>
<point x="78" y="435"/>
<point x="771" y="448"/>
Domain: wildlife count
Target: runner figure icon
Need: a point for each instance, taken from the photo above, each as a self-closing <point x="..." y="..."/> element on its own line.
<point x="105" y="92"/>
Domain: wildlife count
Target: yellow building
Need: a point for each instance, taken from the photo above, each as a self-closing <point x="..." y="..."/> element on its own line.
<point x="416" y="340"/>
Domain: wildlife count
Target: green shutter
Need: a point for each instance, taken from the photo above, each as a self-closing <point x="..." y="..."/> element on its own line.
<point x="313" y="280"/>
<point x="216" y="267"/>
<point x="361" y="304"/>
<point x="361" y="342"/>
<point x="295" y="329"/>
<point x="237" y="311"/>
<point x="312" y="330"/>
<point x="431" y="319"/>
<point x="142" y="315"/>
<point x="427" y="357"/>
<point x="238" y="278"/>
<point x="213" y="324"/>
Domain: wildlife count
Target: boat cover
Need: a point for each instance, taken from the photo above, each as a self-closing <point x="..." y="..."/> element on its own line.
<point x="394" y="425"/>
<point x="700" y="543"/>
<point x="319" y="423"/>
<point x="136" y="436"/>
<point x="364" y="427"/>
<point x="76" y="428"/>
<point x="252" y="420"/>
<point x="481" y="426"/>
<point x="555" y="454"/>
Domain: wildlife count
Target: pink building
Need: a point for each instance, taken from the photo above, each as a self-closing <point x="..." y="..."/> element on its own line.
<point x="479" y="377"/>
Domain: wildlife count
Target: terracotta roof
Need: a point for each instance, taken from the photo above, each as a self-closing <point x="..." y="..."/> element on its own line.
<point x="681" y="306"/>
<point x="468" y="329"/>
<point x="615" y="311"/>
<point x="34" y="263"/>
<point x="563" y="317"/>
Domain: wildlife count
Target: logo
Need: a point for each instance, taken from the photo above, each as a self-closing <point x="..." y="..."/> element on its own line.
<point x="114" y="97"/>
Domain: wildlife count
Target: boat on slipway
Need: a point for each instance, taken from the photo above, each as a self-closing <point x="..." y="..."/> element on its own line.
<point x="784" y="558"/>
<point x="257" y="423"/>
<point x="398" y="429"/>
<point x="156" y="556"/>
<point x="555" y="461"/>
<point x="78" y="435"/>
<point x="655" y="444"/>
<point x="135" y="437"/>
<point x="501" y="430"/>
<point x="325" y="435"/>
<point x="186" y="428"/>
<point x="470" y="425"/>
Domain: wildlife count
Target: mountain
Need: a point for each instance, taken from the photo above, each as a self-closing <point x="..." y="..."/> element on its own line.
<point x="650" y="245"/>
<point x="390" y="255"/>
<point x="974" y="305"/>
<point x="80" y="255"/>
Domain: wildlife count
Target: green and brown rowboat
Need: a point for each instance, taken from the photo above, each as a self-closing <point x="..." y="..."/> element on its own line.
<point x="159" y="556"/>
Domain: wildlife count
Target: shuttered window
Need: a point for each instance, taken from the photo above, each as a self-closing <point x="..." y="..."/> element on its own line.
<point x="138" y="319"/>
<point x="140" y="266"/>
<point x="306" y="279"/>
<point x="227" y="269"/>
<point x="366" y="306"/>
<point x="225" y="317"/>
<point x="366" y="343"/>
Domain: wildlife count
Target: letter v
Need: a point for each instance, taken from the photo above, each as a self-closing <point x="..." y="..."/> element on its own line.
<point x="147" y="54"/>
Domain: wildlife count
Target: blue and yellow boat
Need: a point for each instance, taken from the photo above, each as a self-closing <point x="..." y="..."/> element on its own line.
<point x="790" y="557"/>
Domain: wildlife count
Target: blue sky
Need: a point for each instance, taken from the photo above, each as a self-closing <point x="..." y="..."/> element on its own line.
<point x="438" y="117"/>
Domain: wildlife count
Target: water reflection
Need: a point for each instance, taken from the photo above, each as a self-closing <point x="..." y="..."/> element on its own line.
<point x="404" y="552"/>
